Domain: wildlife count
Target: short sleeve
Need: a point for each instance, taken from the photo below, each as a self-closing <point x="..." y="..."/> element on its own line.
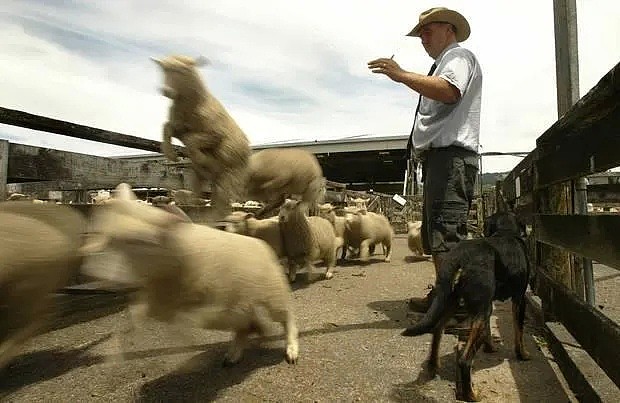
<point x="456" y="69"/>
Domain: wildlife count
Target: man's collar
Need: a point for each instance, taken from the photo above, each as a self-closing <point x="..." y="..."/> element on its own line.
<point x="443" y="52"/>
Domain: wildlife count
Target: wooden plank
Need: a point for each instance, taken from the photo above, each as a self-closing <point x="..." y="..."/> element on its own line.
<point x="597" y="334"/>
<point x="36" y="164"/>
<point x="523" y="171"/>
<point x="586" y="139"/>
<point x="41" y="123"/>
<point x="593" y="236"/>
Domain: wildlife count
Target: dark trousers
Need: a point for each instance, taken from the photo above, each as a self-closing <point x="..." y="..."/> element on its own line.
<point x="448" y="176"/>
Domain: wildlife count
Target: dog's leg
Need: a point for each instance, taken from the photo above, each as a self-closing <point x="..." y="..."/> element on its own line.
<point x="518" y="322"/>
<point x="465" y="390"/>
<point x="489" y="346"/>
<point x="433" y="361"/>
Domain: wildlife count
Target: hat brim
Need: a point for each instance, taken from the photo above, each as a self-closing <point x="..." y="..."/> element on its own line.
<point x="450" y="16"/>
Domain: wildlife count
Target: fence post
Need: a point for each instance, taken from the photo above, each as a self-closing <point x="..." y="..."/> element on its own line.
<point x="4" y="168"/>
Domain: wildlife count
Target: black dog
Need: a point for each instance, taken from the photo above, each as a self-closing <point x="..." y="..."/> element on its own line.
<point x="477" y="272"/>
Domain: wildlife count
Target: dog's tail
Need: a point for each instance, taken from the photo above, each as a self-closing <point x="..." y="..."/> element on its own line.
<point x="443" y="293"/>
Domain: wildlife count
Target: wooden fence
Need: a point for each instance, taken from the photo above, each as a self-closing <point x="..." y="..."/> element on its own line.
<point x="546" y="190"/>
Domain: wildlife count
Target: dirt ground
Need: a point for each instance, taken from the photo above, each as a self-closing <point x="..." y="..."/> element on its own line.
<point x="350" y="350"/>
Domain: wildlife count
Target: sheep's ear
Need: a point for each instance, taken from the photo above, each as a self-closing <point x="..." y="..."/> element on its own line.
<point x="201" y="61"/>
<point x="158" y="61"/>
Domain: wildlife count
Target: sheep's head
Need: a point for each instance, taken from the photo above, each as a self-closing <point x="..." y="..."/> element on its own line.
<point x="290" y="208"/>
<point x="414" y="225"/>
<point x="236" y="222"/>
<point x="180" y="75"/>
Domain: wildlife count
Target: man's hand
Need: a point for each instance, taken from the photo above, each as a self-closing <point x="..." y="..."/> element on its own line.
<point x="388" y="67"/>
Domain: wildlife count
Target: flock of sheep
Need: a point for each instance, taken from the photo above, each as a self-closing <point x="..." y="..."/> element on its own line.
<point x="230" y="275"/>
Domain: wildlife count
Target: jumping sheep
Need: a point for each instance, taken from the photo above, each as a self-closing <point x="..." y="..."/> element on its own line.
<point x="39" y="245"/>
<point x="306" y="239"/>
<point x="278" y="173"/>
<point x="217" y="147"/>
<point x="196" y="274"/>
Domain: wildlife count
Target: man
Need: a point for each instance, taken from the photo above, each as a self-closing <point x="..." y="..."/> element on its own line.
<point x="446" y="128"/>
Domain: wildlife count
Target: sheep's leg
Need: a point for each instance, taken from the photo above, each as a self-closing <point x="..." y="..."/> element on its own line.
<point x="292" y="272"/>
<point x="310" y="270"/>
<point x="11" y="346"/>
<point x="365" y="250"/>
<point x="270" y="206"/>
<point x="287" y="319"/>
<point x="387" y="249"/>
<point x="237" y="346"/>
<point x="166" y="145"/>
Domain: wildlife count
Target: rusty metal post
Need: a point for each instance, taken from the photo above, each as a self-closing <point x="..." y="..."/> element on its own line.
<point x="580" y="206"/>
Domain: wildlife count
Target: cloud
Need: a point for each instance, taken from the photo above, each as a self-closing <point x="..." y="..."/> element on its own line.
<point x="284" y="69"/>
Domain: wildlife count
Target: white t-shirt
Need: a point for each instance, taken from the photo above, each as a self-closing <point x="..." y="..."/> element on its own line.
<point x="442" y="125"/>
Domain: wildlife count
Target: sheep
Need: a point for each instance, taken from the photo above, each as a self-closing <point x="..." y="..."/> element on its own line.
<point x="217" y="147"/>
<point x="278" y="173"/>
<point x="196" y="274"/>
<point x="414" y="237"/>
<point x="306" y="239"/>
<point x="18" y="196"/>
<point x="328" y="212"/>
<point x="39" y="245"/>
<point x="247" y="224"/>
<point x="366" y="229"/>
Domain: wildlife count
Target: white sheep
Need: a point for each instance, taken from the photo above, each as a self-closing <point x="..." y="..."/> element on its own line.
<point x="247" y="224"/>
<point x="196" y="274"/>
<point x="366" y="229"/>
<point x="216" y="145"/>
<point x="39" y="245"/>
<point x="277" y="173"/>
<point x="414" y="237"/>
<point x="306" y="239"/>
<point x="339" y="223"/>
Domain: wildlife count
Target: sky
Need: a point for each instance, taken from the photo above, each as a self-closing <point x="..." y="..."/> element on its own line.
<point x="286" y="70"/>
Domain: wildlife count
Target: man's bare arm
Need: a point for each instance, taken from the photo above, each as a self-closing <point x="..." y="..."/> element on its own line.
<point x="428" y="86"/>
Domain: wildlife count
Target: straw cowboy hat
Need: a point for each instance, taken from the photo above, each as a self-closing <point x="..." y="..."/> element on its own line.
<point x="442" y="14"/>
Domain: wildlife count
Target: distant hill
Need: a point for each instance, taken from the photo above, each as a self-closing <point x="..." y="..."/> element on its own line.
<point x="489" y="179"/>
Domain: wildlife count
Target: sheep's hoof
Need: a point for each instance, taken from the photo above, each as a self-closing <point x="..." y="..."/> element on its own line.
<point x="291" y="354"/>
<point x="230" y="361"/>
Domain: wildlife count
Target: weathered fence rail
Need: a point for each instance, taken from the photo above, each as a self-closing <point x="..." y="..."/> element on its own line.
<point x="584" y="141"/>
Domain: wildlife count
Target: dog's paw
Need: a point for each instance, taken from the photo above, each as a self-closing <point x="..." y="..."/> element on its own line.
<point x="523" y="355"/>
<point x="409" y="332"/>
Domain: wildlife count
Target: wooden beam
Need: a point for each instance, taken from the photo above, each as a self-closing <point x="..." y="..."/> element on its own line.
<point x="597" y="334"/>
<point x="35" y="164"/>
<point x="566" y="54"/>
<point x="4" y="168"/>
<point x="586" y="139"/>
<point x="35" y="122"/>
<point x="592" y="236"/>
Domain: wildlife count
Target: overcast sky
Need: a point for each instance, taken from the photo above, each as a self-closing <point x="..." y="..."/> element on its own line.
<point x="285" y="70"/>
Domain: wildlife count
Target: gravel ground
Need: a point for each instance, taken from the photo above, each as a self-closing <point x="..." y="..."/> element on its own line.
<point x="350" y="350"/>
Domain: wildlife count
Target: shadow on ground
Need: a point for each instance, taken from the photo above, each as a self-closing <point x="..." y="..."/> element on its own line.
<point x="202" y="377"/>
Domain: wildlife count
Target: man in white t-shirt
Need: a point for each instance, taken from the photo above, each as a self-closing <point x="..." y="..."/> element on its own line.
<point x="445" y="135"/>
